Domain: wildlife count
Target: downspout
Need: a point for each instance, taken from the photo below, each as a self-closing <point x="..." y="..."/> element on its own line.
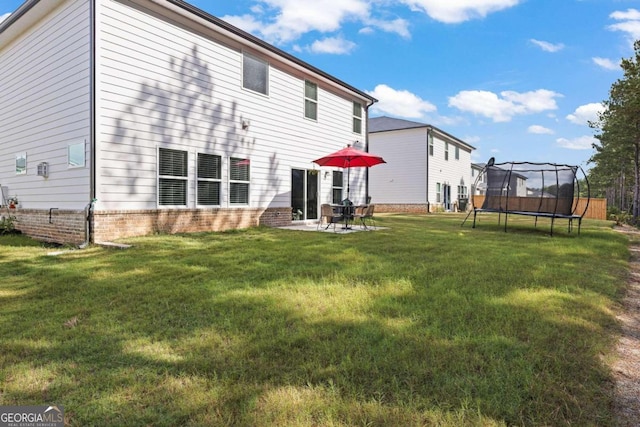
<point x="429" y="132"/>
<point x="366" y="149"/>
<point x="88" y="210"/>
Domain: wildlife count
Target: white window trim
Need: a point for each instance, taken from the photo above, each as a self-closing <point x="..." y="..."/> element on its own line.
<point x="20" y="156"/>
<point x="235" y="181"/>
<point x="84" y="155"/>
<point x="306" y="98"/>
<point x="218" y="180"/>
<point x="354" y="117"/>
<point x="268" y="68"/>
<point x="173" y="177"/>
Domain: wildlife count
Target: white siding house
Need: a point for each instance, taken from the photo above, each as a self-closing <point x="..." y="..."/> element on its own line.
<point x="152" y="115"/>
<point x="427" y="169"/>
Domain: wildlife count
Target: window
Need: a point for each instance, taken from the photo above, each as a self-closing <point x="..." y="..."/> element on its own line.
<point x="310" y="100"/>
<point x="438" y="195"/>
<point x="75" y="155"/>
<point x="172" y="182"/>
<point x="357" y="117"/>
<point x="338" y="180"/>
<point x="21" y="164"/>
<point x="462" y="192"/>
<point x="457" y="151"/>
<point x="446" y="151"/>
<point x="209" y="176"/>
<point x="239" y="181"/>
<point x="430" y="144"/>
<point x="255" y="74"/>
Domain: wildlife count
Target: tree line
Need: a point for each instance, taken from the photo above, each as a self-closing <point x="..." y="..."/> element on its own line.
<point x="615" y="174"/>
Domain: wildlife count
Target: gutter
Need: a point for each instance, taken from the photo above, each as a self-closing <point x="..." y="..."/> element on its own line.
<point x="24" y="8"/>
<point x="88" y="210"/>
<point x="366" y="149"/>
<point x="429" y="132"/>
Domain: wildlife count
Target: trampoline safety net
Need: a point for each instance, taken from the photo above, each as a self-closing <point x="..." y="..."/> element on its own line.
<point x="535" y="189"/>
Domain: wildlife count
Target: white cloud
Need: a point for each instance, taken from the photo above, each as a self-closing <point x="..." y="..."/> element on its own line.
<point x="502" y="108"/>
<point x="5" y="16"/>
<point x="285" y="21"/>
<point x="629" y="23"/>
<point x="630" y="14"/>
<point x="605" y="63"/>
<point x="546" y="46"/>
<point x="586" y="113"/>
<point x="333" y="45"/>
<point x="400" y="103"/>
<point x="540" y="130"/>
<point x="580" y="143"/>
<point x="451" y="12"/>
<point x="398" y="26"/>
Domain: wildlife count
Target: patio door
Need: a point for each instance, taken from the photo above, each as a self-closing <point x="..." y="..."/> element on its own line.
<point x="304" y="194"/>
<point x="446" y="196"/>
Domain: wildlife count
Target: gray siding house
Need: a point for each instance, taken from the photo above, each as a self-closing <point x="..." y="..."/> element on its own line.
<point x="427" y="169"/>
<point x="128" y="117"/>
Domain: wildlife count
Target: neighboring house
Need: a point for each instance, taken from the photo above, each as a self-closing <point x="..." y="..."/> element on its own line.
<point x="478" y="179"/>
<point x="427" y="169"/>
<point x="129" y="117"/>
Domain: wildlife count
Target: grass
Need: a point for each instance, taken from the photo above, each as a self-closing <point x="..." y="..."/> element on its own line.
<point x="424" y="323"/>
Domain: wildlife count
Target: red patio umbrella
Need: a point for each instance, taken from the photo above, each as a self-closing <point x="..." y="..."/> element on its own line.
<point x="349" y="157"/>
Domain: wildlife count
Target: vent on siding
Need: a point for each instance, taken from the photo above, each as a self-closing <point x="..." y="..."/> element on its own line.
<point x="43" y="169"/>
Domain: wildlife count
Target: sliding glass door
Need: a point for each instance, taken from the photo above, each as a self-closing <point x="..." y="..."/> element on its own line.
<point x="304" y="194"/>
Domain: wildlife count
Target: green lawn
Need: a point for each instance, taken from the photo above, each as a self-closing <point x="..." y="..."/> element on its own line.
<point x="423" y="323"/>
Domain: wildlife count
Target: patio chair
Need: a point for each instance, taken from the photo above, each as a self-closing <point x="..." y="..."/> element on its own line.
<point x="329" y="216"/>
<point x="364" y="214"/>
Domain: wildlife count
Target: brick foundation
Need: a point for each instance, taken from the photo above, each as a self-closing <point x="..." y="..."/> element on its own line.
<point x="66" y="226"/>
<point x="55" y="226"/>
<point x="111" y="225"/>
<point x="401" y="208"/>
<point x="413" y="208"/>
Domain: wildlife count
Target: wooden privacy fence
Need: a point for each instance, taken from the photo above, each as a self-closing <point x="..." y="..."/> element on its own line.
<point x="597" y="208"/>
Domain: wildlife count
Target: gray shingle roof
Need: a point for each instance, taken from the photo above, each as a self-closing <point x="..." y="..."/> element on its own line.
<point x="384" y="123"/>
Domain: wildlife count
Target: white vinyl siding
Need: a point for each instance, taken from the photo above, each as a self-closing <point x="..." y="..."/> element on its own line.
<point x="160" y="84"/>
<point x="403" y="179"/>
<point x="45" y="104"/>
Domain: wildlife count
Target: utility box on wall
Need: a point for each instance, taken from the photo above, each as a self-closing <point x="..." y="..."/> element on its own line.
<point x="43" y="169"/>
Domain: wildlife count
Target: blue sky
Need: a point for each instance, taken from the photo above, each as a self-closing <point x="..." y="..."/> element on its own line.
<point x="517" y="79"/>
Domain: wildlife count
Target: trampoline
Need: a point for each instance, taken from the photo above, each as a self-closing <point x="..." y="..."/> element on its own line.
<point x="539" y="190"/>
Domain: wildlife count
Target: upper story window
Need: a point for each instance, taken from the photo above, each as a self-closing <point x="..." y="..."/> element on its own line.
<point x="430" y="144"/>
<point x="209" y="179"/>
<point x="310" y="100"/>
<point x="357" y="117"/>
<point x="255" y="74"/>
<point x="446" y="151"/>
<point x="457" y="151"/>
<point x="172" y="177"/>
